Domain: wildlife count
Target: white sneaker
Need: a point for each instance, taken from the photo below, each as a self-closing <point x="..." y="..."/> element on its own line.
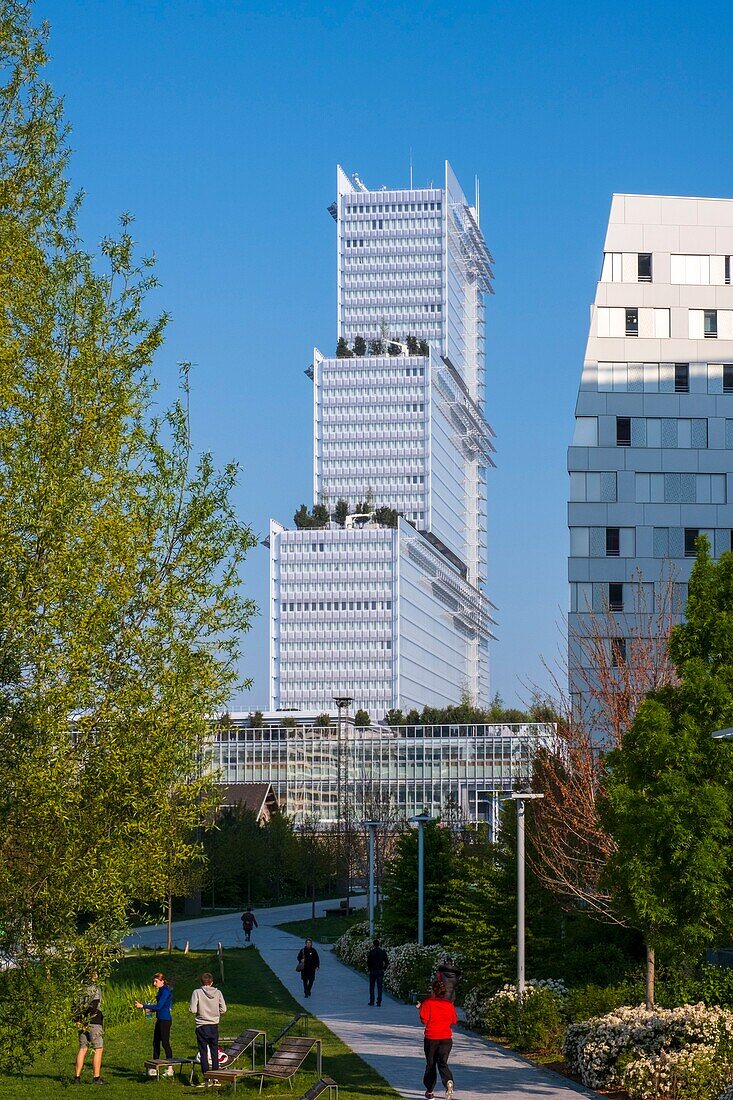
<point x="449" y="1091"/>
<point x="170" y="1071"/>
<point x="152" y="1072"/>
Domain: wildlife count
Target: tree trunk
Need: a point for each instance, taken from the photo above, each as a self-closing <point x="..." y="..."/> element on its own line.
<point x="649" y="977"/>
<point x="313" y="898"/>
<point x="170" y="923"/>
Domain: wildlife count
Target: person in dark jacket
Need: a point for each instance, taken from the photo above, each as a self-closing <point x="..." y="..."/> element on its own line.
<point x="449" y="975"/>
<point x="163" y="1018"/>
<point x="308" y="963"/>
<point x="376" y="965"/>
<point x="249" y="921"/>
<point x="438" y="1015"/>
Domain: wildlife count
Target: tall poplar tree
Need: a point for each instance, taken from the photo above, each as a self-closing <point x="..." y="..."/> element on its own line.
<point x="120" y="599"/>
<point x="669" y="786"/>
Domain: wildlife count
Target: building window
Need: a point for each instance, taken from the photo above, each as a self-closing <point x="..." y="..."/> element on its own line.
<point x="632" y="322"/>
<point x="682" y="378"/>
<point x="727" y="377"/>
<point x="613" y="542"/>
<point x="727" y="270"/>
<point x="644" y="267"/>
<point x="710" y="322"/>
<point x="691" y="534"/>
<point x="623" y="431"/>
<point x="618" y="652"/>
<point x="616" y="596"/>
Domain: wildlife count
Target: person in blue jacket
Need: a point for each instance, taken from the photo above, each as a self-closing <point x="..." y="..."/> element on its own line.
<point x="163" y="1018"/>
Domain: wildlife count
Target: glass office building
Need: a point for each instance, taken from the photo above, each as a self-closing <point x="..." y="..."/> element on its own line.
<point x="395" y="616"/>
<point x="386" y="771"/>
<point x="651" y="463"/>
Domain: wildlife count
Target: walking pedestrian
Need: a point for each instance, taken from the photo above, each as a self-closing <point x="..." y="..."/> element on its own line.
<point x="308" y="963"/>
<point x="162" y="1007"/>
<point x="208" y="1005"/>
<point x="376" y="965"/>
<point x="438" y="1014"/>
<point x="90" y="1021"/>
<point x="449" y="975"/>
<point x="249" y="921"/>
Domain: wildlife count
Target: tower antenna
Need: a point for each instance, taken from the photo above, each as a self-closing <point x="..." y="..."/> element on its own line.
<point x="411" y="168"/>
<point x="478" y="202"/>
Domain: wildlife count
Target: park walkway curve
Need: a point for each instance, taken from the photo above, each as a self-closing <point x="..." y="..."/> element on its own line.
<point x="388" y="1038"/>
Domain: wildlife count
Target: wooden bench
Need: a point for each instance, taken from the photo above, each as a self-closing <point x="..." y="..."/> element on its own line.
<point x="236" y="1048"/>
<point x="162" y="1063"/>
<point x="343" y="910"/>
<point x="284" y="1062"/>
<point x="326" y="1084"/>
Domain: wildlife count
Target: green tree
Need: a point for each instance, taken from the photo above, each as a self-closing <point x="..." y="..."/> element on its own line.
<point x="360" y="346"/>
<point x="343" y="351"/>
<point x="120" y="600"/>
<point x="395" y="718"/>
<point x="424" y="347"/>
<point x="669" y="787"/>
<point x="320" y="515"/>
<point x="341" y="511"/>
<point x="413" y="345"/>
<point x="399" y="909"/>
<point x="323" y="721"/>
<point x="257" y="719"/>
<point x="393" y="349"/>
<point x="478" y="913"/>
<point x="361" y="718"/>
<point x="386" y="516"/>
<point x="302" y="518"/>
<point x="376" y="347"/>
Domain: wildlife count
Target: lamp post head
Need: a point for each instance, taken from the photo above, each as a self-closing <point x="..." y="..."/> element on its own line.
<point x="343" y="701"/>
<point x="520" y="796"/>
<point x="372" y="824"/>
<point x="420" y="819"/>
<point x="722" y="735"/>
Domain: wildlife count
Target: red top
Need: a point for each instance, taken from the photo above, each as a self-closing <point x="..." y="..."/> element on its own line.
<point x="438" y="1015"/>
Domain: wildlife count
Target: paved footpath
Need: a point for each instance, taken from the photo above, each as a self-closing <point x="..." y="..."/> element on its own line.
<point x="388" y="1038"/>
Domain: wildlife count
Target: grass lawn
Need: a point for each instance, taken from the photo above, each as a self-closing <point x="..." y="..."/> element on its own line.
<point x="323" y="929"/>
<point x="255" y="998"/>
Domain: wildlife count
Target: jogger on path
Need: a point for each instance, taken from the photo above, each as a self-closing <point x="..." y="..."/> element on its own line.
<point x="439" y="1016"/>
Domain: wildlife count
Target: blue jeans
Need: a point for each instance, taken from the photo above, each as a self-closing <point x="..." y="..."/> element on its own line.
<point x="207" y="1039"/>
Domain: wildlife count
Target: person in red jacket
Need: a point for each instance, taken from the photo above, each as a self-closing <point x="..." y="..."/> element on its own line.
<point x="438" y="1015"/>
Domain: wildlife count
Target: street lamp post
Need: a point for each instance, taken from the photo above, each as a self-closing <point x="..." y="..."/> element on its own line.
<point x="420" y="820"/>
<point x="372" y="826"/>
<point x="343" y="702"/>
<point x="520" y="797"/>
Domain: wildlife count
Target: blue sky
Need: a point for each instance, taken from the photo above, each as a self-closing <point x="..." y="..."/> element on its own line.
<point x="219" y="125"/>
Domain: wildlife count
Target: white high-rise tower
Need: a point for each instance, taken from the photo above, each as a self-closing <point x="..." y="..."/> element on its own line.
<point x="387" y="605"/>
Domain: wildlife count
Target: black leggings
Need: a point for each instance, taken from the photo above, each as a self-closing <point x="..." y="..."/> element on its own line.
<point x="436" y="1062"/>
<point x="162" y="1035"/>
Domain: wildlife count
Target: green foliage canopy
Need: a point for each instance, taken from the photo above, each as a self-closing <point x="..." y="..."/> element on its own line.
<point x="669" y="788"/>
<point x="120" y="605"/>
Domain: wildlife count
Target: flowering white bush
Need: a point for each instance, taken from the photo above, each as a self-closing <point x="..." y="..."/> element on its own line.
<point x="474" y="1008"/>
<point x="533" y="985"/>
<point x="603" y="1049"/>
<point x="353" y="947"/>
<point x="411" y="968"/>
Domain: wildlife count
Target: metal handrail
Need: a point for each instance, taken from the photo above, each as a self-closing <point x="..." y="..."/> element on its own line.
<point x="281" y="1034"/>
